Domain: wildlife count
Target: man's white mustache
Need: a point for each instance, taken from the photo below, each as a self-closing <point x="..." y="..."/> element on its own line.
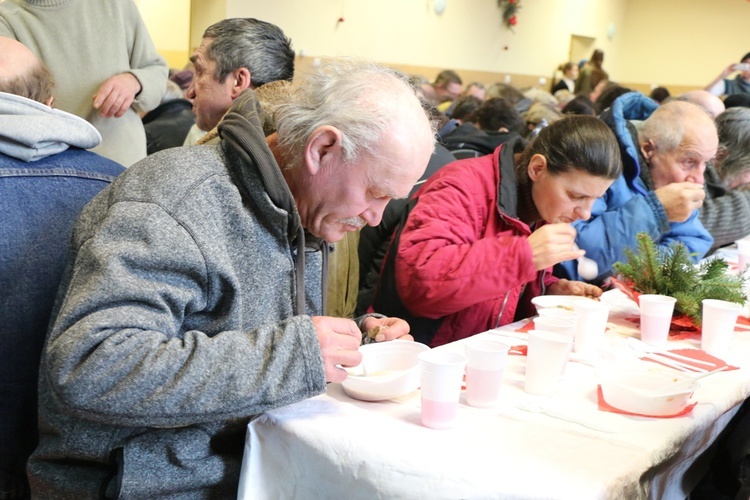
<point x="353" y="221"/>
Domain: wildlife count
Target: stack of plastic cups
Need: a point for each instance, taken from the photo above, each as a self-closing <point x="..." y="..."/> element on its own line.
<point x="442" y="376"/>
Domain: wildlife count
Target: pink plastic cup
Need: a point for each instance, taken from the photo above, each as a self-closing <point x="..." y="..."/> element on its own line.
<point x="484" y="371"/>
<point x="441" y="377"/>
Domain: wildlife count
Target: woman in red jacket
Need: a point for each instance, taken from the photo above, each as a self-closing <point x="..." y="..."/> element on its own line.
<point x="482" y="233"/>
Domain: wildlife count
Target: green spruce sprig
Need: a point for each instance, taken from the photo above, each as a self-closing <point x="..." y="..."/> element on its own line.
<point x="669" y="271"/>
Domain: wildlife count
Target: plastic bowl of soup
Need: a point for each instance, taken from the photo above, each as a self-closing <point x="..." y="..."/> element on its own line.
<point x="388" y="370"/>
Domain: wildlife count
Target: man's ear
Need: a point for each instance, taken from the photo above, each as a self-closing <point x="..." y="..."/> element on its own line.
<point x="322" y="147"/>
<point x="242" y="80"/>
<point x="537" y="167"/>
<point x="648" y="149"/>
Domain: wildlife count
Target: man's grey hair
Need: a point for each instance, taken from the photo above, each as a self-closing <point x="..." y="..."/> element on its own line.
<point x="259" y="46"/>
<point x="733" y="156"/>
<point x="666" y="125"/>
<point x="359" y="98"/>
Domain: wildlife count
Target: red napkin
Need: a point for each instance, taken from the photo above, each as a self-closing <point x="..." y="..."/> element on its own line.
<point x="519" y="350"/>
<point x="527" y="327"/>
<point x="682" y="327"/>
<point x="604" y="406"/>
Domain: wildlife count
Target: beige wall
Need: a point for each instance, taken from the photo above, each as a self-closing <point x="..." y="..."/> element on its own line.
<point x="683" y="42"/>
<point x="468" y="36"/>
<point x="204" y="13"/>
<point x="677" y="43"/>
<point x="168" y="22"/>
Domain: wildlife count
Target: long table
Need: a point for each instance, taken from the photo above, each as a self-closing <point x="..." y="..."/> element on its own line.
<point x="332" y="446"/>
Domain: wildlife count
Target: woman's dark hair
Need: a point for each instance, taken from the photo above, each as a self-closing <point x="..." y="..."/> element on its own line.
<point x="576" y="142"/>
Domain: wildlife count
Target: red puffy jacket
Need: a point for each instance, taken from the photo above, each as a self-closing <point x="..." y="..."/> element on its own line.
<point x="463" y="265"/>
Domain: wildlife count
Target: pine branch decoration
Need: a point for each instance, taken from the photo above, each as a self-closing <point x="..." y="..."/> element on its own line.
<point x="671" y="272"/>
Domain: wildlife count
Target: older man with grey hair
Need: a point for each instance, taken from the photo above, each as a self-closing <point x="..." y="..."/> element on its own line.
<point x="235" y="54"/>
<point x="195" y="298"/>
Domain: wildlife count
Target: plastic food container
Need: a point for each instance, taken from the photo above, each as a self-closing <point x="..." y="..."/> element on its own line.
<point x="388" y="370"/>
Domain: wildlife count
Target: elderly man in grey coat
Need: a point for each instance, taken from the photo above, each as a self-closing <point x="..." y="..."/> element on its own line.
<point x="194" y="294"/>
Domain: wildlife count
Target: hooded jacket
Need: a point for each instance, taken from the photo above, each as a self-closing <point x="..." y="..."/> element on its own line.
<point x="187" y="313"/>
<point x="629" y="206"/>
<point x="460" y="263"/>
<point x="45" y="180"/>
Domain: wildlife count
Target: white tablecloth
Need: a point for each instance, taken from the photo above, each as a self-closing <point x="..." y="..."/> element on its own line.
<point x="333" y="446"/>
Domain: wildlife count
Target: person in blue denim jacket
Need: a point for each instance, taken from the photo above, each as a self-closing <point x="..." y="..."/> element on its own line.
<point x="46" y="177"/>
<point x="661" y="189"/>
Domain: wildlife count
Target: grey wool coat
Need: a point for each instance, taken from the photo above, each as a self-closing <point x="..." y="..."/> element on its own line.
<point x="185" y="312"/>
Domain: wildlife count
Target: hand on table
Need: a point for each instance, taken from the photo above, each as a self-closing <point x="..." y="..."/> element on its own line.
<point x="390" y="328"/>
<point x="552" y="244"/>
<point x="567" y="287"/>
<point x="680" y="199"/>
<point x="339" y="340"/>
<point x="116" y="94"/>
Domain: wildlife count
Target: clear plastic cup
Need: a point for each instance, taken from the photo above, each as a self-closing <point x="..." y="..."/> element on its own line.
<point x="441" y="377"/>
<point x="656" y="316"/>
<point x="556" y="325"/>
<point x="719" y="318"/>
<point x="545" y="361"/>
<point x="484" y="370"/>
<point x="590" y="327"/>
<point x="556" y="312"/>
<point x="743" y="254"/>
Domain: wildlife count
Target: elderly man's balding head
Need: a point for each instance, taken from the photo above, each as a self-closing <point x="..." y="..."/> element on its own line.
<point x="706" y="100"/>
<point x="678" y="140"/>
<point x="23" y="73"/>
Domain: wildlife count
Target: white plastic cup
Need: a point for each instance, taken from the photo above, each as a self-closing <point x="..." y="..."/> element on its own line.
<point x="656" y="316"/>
<point x="556" y="312"/>
<point x="557" y="325"/>
<point x="719" y="318"/>
<point x="545" y="361"/>
<point x="743" y="254"/>
<point x="485" y="361"/>
<point x="441" y="377"/>
<point x="590" y="327"/>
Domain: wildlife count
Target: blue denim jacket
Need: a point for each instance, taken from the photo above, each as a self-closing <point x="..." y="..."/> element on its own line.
<point x="39" y="202"/>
